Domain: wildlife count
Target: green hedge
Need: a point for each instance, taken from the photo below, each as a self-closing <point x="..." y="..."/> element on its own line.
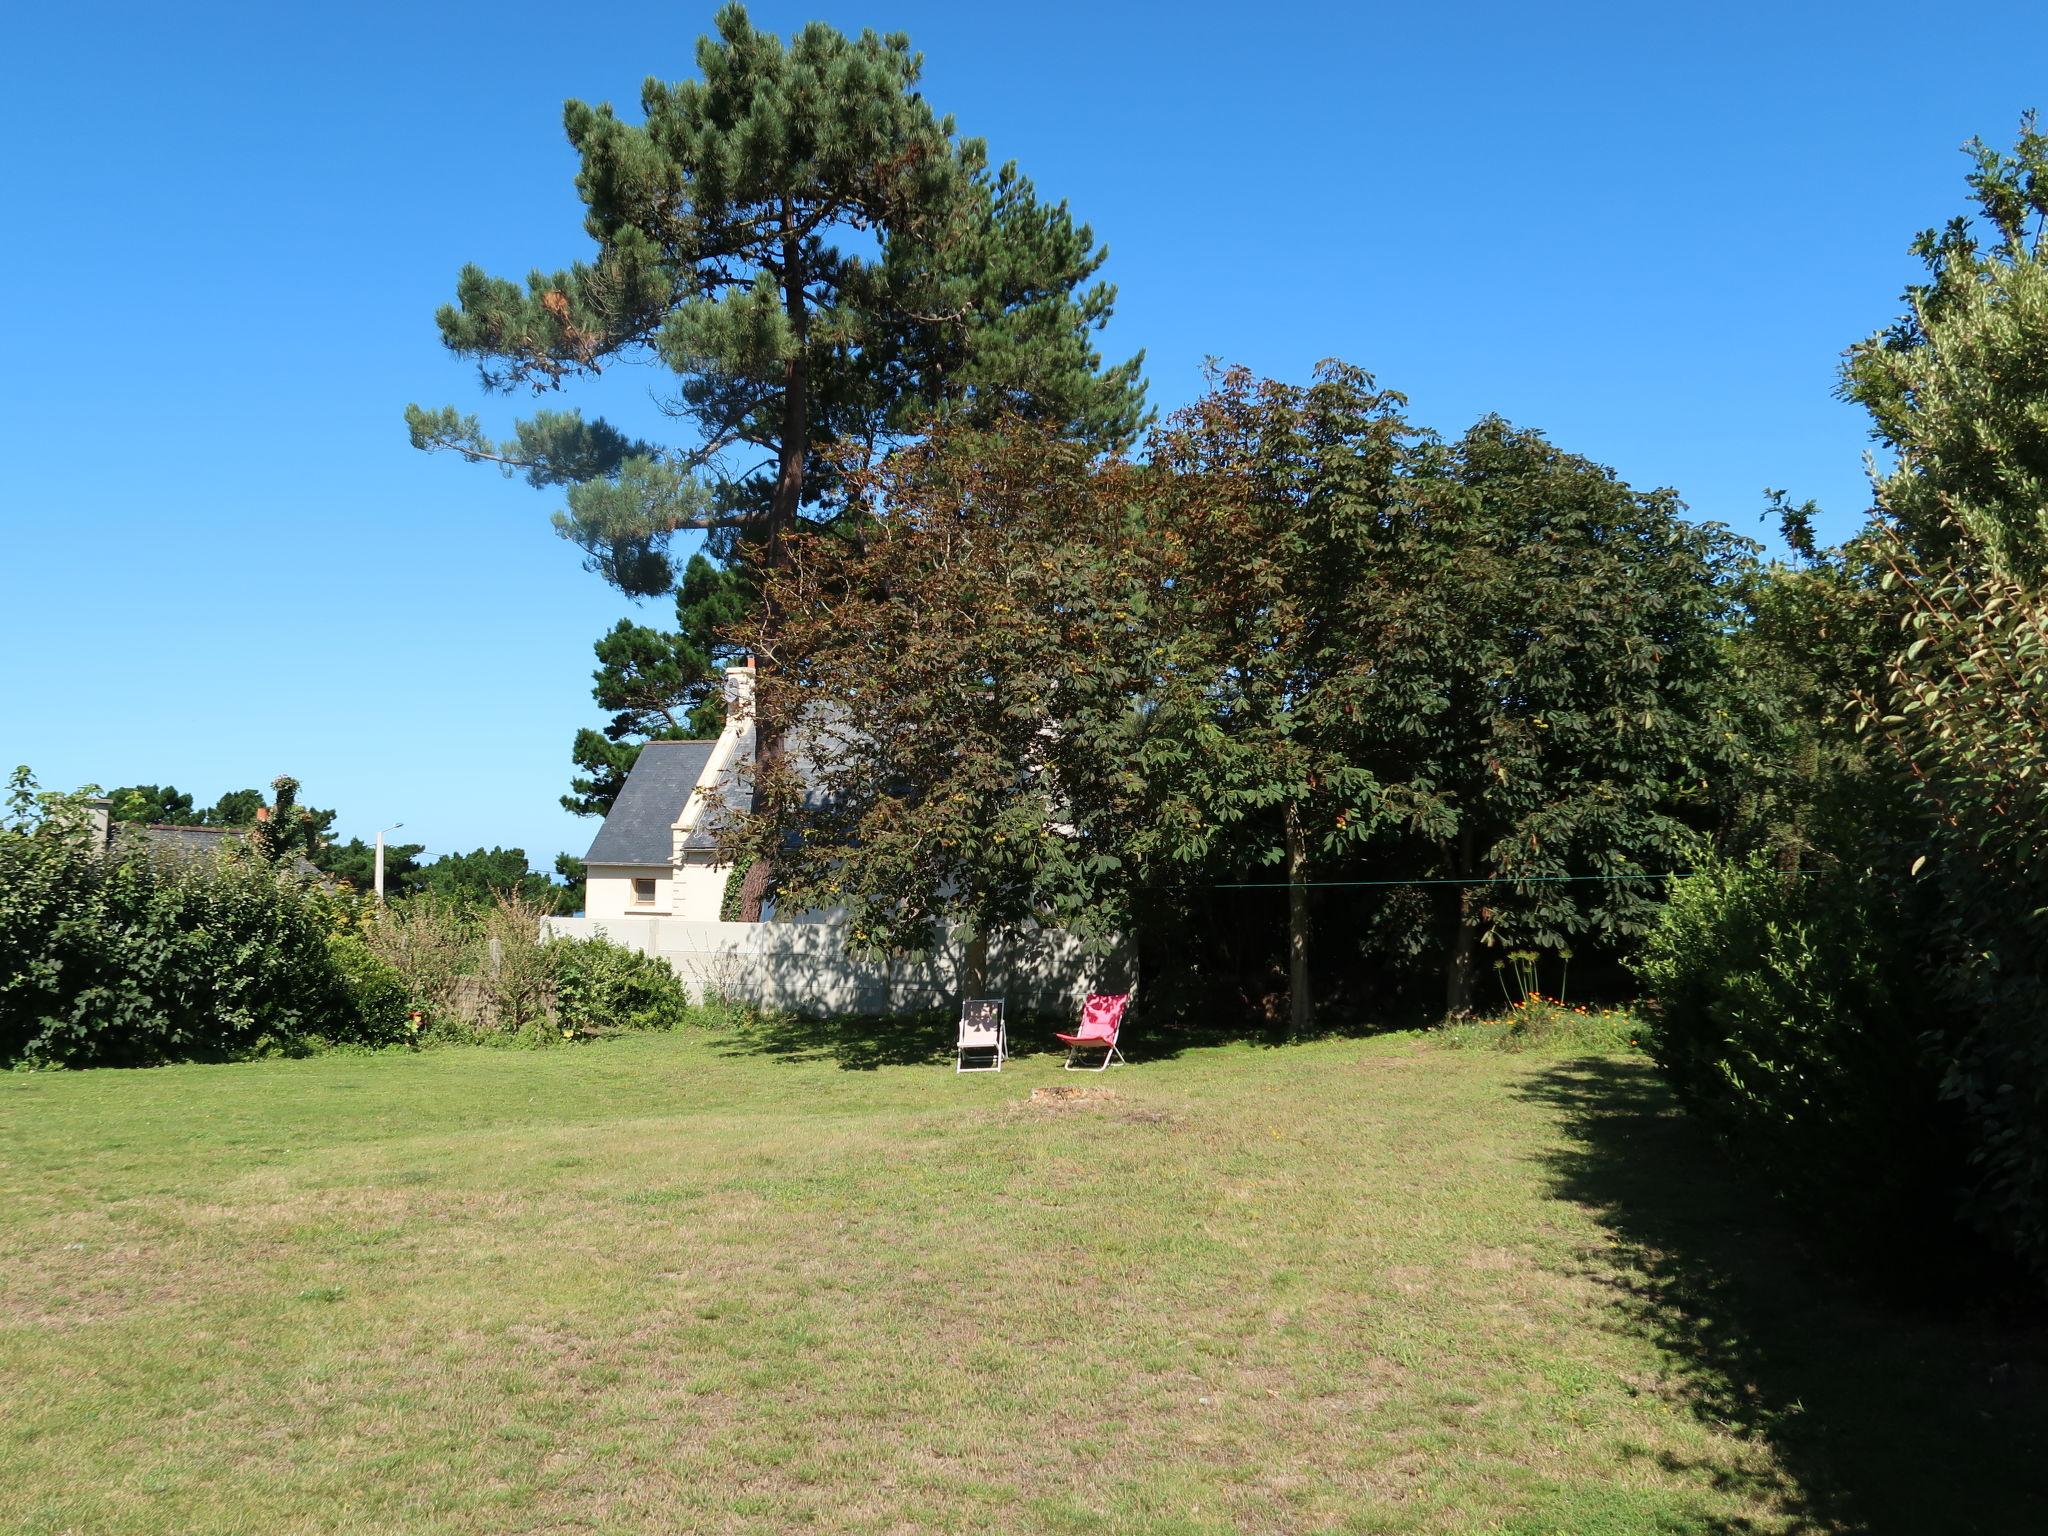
<point x="1795" y="1017"/>
<point x="378" y="1000"/>
<point x="151" y="958"/>
<point x="154" y="958"/>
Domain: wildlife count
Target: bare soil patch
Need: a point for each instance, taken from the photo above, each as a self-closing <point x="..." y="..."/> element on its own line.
<point x="1071" y="1095"/>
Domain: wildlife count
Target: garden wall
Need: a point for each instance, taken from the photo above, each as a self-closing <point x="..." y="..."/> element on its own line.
<point x="802" y="965"/>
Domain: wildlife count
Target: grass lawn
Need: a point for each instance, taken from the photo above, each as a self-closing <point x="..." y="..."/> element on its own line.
<point x="789" y="1281"/>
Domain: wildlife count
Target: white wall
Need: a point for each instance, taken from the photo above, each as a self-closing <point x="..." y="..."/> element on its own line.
<point x="693" y="893"/>
<point x="699" y="891"/>
<point x="609" y="893"/>
<point x="802" y="966"/>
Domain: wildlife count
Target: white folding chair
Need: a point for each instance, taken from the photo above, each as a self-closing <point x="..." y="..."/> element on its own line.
<point x="982" y="1036"/>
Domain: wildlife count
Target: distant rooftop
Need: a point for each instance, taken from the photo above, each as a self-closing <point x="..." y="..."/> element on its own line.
<point x="189" y="841"/>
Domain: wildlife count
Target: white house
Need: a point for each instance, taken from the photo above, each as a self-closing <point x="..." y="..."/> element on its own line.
<point x="654" y="886"/>
<point x="653" y="857"/>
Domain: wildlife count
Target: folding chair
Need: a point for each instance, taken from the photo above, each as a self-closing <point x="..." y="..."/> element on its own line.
<point x="1102" y="1023"/>
<point x="982" y="1035"/>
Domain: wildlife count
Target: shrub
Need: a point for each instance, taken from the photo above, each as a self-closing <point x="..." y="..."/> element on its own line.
<point x="601" y="985"/>
<point x="377" y="993"/>
<point x="488" y="975"/>
<point x="152" y="957"/>
<point x="1792" y="1017"/>
<point x="1967" y="707"/>
<point x="425" y="941"/>
<point x="515" y="970"/>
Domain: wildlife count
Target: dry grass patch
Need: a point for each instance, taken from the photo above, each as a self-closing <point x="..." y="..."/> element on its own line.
<point x="1071" y="1093"/>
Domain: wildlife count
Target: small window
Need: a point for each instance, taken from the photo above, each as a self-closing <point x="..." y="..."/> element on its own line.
<point x="643" y="891"/>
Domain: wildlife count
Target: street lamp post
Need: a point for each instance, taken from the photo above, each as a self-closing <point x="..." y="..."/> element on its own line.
<point x="380" y="860"/>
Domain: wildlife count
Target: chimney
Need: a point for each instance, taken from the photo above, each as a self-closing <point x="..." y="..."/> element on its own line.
<point x="739" y="691"/>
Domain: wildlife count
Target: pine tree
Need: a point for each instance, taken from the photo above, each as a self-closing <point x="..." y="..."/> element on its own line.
<point x="822" y="264"/>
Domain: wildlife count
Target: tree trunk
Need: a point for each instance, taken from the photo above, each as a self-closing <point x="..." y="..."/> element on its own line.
<point x="754" y="890"/>
<point x="796" y="408"/>
<point x="1459" y="980"/>
<point x="974" y="966"/>
<point x="1300" y="1003"/>
<point x="782" y="513"/>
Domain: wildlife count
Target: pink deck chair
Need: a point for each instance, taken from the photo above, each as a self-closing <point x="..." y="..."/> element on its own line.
<point x="1102" y="1022"/>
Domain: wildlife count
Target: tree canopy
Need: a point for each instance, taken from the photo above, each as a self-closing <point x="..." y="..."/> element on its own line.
<point x="153" y="804"/>
<point x="1484" y="669"/>
<point x="958" y="677"/>
<point x="1954" y="387"/>
<point x="1301" y="639"/>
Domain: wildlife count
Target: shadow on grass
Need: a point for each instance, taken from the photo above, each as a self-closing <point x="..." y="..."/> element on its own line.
<point x="865" y="1042"/>
<point x="857" y="1042"/>
<point x="1884" y="1417"/>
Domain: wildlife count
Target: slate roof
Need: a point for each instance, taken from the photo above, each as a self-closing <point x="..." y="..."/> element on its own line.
<point x="735" y="797"/>
<point x="177" y="839"/>
<point x="637" y="831"/>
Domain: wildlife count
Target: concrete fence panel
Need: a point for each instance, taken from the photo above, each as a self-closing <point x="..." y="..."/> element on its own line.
<point x="803" y="965"/>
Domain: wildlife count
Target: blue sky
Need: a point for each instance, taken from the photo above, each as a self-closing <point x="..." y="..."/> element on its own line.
<point x="1648" y="230"/>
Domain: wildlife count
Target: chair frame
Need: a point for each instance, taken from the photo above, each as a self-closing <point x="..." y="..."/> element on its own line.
<point x="1001" y="1047"/>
